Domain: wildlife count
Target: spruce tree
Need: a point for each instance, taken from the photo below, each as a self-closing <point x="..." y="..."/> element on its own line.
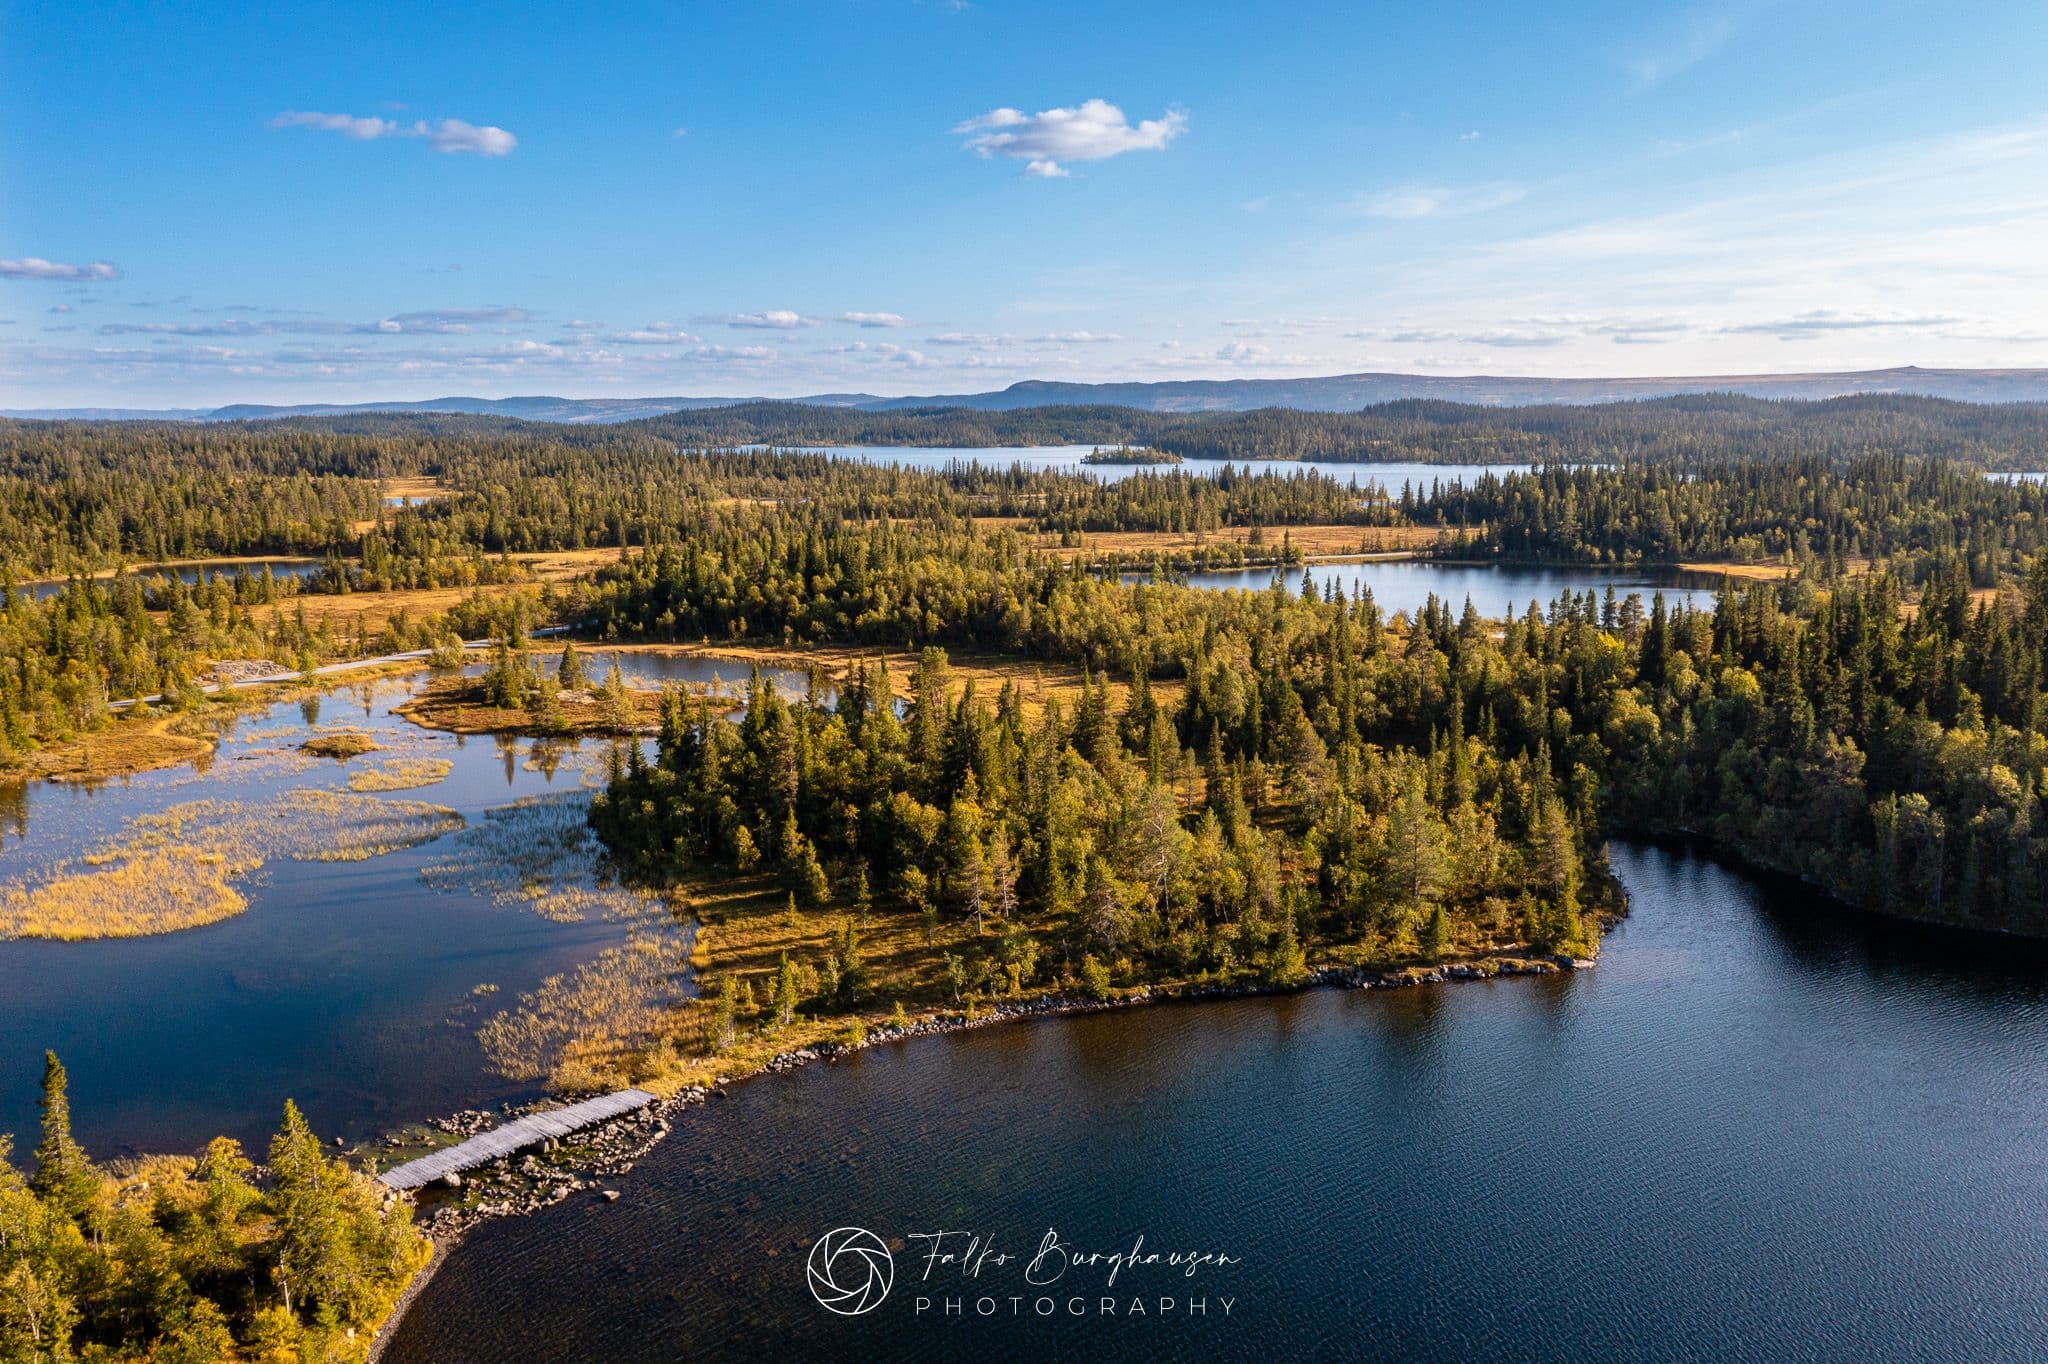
<point x="785" y="992"/>
<point x="64" y="1178"/>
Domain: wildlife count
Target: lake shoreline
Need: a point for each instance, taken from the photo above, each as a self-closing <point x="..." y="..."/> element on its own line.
<point x="447" y="1228"/>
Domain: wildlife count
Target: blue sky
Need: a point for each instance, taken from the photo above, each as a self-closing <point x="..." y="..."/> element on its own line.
<point x="203" y="204"/>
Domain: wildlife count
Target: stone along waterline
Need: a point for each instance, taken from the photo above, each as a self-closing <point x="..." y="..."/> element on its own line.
<point x="1737" y="1138"/>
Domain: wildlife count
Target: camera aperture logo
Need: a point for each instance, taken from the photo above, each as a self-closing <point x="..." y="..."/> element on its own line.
<point x="850" y="1271"/>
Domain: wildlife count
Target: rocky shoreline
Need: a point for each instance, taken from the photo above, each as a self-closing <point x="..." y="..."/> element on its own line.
<point x="516" y="1185"/>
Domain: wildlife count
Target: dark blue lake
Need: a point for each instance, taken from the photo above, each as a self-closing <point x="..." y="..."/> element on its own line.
<point x="1759" y="1130"/>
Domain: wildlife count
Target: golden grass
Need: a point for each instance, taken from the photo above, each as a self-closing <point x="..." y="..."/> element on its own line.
<point x="561" y="565"/>
<point x="1036" y="680"/>
<point x="161" y="891"/>
<point x="127" y="745"/>
<point x="401" y="774"/>
<point x="344" y="744"/>
<point x="414" y="485"/>
<point x="458" y="705"/>
<point x="744" y="929"/>
<point x="174" y="868"/>
<point x="1758" y="573"/>
<point x="573" y="1026"/>
<point x="366" y="613"/>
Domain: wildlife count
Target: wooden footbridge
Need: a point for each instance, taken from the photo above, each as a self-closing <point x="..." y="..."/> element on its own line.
<point x="517" y="1135"/>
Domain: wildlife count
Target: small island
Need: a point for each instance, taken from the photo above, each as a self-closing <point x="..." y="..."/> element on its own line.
<point x="1130" y="454"/>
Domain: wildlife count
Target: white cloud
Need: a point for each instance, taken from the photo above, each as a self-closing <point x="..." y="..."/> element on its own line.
<point x="1821" y="321"/>
<point x="734" y="353"/>
<point x="771" y="319"/>
<point x="1496" y="338"/>
<point x="60" y="307"/>
<point x="875" y="319"/>
<point x="901" y="355"/>
<point x="1088" y="132"/>
<point x="655" y="334"/>
<point x="450" y="135"/>
<point x="680" y="132"/>
<point x="35" y="267"/>
<point x="453" y="320"/>
<point x="348" y="125"/>
<point x="1686" y="39"/>
<point x="1472" y="136"/>
<point x="1436" y="201"/>
<point x="432" y="322"/>
<point x="457" y="137"/>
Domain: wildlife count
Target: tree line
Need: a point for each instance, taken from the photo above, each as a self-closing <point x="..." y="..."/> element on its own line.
<point x="1892" y="755"/>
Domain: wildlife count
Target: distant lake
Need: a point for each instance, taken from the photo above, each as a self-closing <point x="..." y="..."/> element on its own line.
<point x="1389" y="476"/>
<point x="1496" y="590"/>
<point x="194" y="571"/>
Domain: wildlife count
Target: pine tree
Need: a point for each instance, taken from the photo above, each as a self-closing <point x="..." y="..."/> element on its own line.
<point x="569" y="674"/>
<point x="302" y="1199"/>
<point x="785" y="992"/>
<point x="724" y="1016"/>
<point x="1288" y="964"/>
<point x="616" y="700"/>
<point x="64" y="1177"/>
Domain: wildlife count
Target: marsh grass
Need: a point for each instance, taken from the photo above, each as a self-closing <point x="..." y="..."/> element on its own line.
<point x="580" y="1029"/>
<point x="160" y="891"/>
<point x="345" y="744"/>
<point x="539" y="852"/>
<point x="401" y="774"/>
<point x="175" y="868"/>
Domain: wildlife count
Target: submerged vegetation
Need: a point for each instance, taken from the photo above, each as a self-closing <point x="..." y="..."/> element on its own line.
<point x="539" y="852"/>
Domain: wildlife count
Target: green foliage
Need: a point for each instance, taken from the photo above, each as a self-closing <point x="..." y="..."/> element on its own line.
<point x="64" y="1178"/>
<point x="180" y="1258"/>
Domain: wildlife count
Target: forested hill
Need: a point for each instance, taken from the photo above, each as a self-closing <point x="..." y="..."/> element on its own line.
<point x="1312" y="393"/>
<point x="2010" y="436"/>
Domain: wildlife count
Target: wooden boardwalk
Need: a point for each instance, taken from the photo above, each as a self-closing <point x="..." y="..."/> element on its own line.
<point x="517" y="1135"/>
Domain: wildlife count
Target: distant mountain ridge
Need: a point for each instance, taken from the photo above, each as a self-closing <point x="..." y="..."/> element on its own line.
<point x="1329" y="393"/>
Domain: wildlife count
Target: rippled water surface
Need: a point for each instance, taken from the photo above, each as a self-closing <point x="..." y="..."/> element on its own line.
<point x="1759" y="1130"/>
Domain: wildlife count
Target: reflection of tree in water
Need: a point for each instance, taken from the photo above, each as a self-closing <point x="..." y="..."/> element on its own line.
<point x="545" y="756"/>
<point x="309" y="707"/>
<point x="13" y="811"/>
